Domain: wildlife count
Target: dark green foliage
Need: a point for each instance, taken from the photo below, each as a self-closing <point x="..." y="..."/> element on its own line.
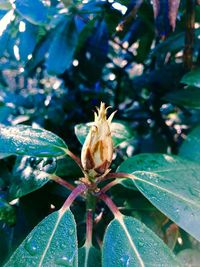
<point x="60" y="59"/>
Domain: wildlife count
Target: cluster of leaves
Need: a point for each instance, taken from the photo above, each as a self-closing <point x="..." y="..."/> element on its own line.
<point x="58" y="60"/>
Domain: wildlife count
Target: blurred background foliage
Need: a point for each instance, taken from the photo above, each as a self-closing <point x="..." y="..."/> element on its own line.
<point x="59" y="59"/>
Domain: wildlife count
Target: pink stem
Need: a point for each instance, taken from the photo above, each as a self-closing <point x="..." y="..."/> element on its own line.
<point x="118" y="175"/>
<point x="114" y="209"/>
<point x="74" y="194"/>
<point x="60" y="181"/>
<point x="108" y="186"/>
<point x="89" y="227"/>
<point x="75" y="158"/>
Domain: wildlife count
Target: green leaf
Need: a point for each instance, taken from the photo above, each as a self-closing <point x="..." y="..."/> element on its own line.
<point x="192" y="78"/>
<point x="25" y="140"/>
<point x="62" y="48"/>
<point x="29" y="174"/>
<point x="7" y="212"/>
<point x="66" y="166"/>
<point x="89" y="257"/>
<point x="170" y="183"/>
<point x="52" y="242"/>
<point x="34" y="11"/>
<point x="173" y="44"/>
<point x="190" y="148"/>
<point x="120" y="132"/>
<point x="189" y="97"/>
<point x="189" y="257"/>
<point x="128" y="242"/>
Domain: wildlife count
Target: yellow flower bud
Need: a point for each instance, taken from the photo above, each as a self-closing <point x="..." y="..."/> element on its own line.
<point x="97" y="151"/>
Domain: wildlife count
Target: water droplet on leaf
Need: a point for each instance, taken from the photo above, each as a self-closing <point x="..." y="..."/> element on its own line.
<point x="31" y="246"/>
<point x="125" y="260"/>
<point x="65" y="261"/>
<point x="71" y="231"/>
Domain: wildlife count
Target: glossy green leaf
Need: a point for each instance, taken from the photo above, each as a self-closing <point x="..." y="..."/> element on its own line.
<point x="189" y="257"/>
<point x="192" y="78"/>
<point x="128" y="242"/>
<point x="189" y="97"/>
<point x="34" y="11"/>
<point x="89" y="257"/>
<point x="66" y="166"/>
<point x="25" y="140"/>
<point x="29" y="174"/>
<point x="120" y="132"/>
<point x="170" y="183"/>
<point x="190" y="147"/>
<point x="52" y="242"/>
<point x="27" y="40"/>
<point x="62" y="48"/>
<point x="7" y="212"/>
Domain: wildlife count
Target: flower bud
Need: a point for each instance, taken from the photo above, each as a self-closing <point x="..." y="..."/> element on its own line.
<point x="97" y="151"/>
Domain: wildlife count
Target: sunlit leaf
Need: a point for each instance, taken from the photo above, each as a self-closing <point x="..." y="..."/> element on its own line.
<point x="170" y="183"/>
<point x="128" y="242"/>
<point x="29" y="174"/>
<point x="34" y="11"/>
<point x="52" y="242"/>
<point x="25" y="140"/>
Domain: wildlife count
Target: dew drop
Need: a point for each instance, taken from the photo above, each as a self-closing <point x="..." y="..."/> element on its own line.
<point x="140" y="230"/>
<point x="125" y="261"/>
<point x="71" y="231"/>
<point x="31" y="246"/>
<point x="65" y="261"/>
<point x="141" y="244"/>
<point x="63" y="246"/>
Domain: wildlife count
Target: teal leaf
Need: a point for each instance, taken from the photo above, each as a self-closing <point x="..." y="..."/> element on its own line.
<point x="25" y="140"/>
<point x="188" y="97"/>
<point x="62" y="48"/>
<point x="192" y="78"/>
<point x="170" y="183"/>
<point x="89" y="256"/>
<point x="27" y="40"/>
<point x="120" y="132"/>
<point x="190" y="147"/>
<point x="29" y="174"/>
<point x="128" y="242"/>
<point x="189" y="257"/>
<point x="52" y="242"/>
<point x="33" y="11"/>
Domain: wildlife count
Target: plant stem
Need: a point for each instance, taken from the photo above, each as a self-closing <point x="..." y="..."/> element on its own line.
<point x="189" y="33"/>
<point x="113" y="175"/>
<point x="75" y="158"/>
<point x="62" y="182"/>
<point x="90" y="201"/>
<point x="109" y="185"/>
<point x="74" y="194"/>
<point x="89" y="227"/>
<point x="114" y="209"/>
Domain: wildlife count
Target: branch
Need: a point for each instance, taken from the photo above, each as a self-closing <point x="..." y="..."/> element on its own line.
<point x="189" y="34"/>
<point x="74" y="194"/>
